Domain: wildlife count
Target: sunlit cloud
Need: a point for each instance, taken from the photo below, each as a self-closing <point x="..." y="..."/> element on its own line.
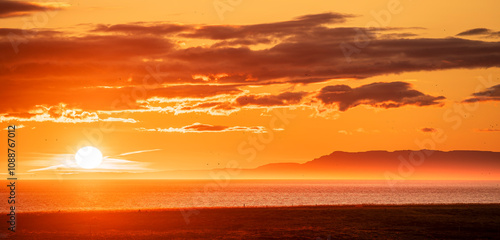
<point x="206" y="128"/>
<point x="59" y="114"/>
<point x="18" y="126"/>
<point x="357" y="131"/>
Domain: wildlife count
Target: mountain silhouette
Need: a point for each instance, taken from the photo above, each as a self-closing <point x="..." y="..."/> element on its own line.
<point x="406" y="164"/>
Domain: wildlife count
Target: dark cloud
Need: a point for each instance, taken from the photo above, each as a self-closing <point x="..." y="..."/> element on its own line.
<point x="484" y="32"/>
<point x="143" y="28"/>
<point x="20" y="8"/>
<point x="5" y="32"/>
<point x="324" y="59"/>
<point x="93" y="99"/>
<point x="488" y="130"/>
<point x="475" y="31"/>
<point x="303" y="50"/>
<point x="383" y="95"/>
<point x="236" y="102"/>
<point x="56" y="67"/>
<point x="490" y="94"/>
<point x="277" y="29"/>
<point x="78" y="50"/>
<point x="428" y="130"/>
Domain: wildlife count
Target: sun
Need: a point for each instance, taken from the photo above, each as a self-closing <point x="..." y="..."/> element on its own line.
<point x="88" y="157"/>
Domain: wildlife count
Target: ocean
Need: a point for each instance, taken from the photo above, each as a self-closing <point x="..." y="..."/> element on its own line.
<point x="88" y="195"/>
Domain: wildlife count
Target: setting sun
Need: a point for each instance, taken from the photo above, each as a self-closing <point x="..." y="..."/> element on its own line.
<point x="88" y="157"/>
<point x="233" y="119"/>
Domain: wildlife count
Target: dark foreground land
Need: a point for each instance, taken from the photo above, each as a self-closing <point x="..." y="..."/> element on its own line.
<point x="322" y="222"/>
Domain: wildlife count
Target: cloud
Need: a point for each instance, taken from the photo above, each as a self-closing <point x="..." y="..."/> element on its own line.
<point x="21" y="8"/>
<point x="55" y="167"/>
<point x="137" y="152"/>
<point x="60" y="114"/>
<point x="108" y="165"/>
<point x="277" y="29"/>
<point x="488" y="130"/>
<point x="490" y="94"/>
<point x="345" y="132"/>
<point x="428" y="130"/>
<point x="18" y="126"/>
<point x="66" y="164"/>
<point x="212" y="108"/>
<point x="6" y="32"/>
<point x="304" y="50"/>
<point x="225" y="104"/>
<point x="484" y="32"/>
<point x="122" y="165"/>
<point x="285" y="98"/>
<point x="204" y="128"/>
<point x="143" y="28"/>
<point x="380" y="94"/>
<point x="125" y="120"/>
<point x="135" y="62"/>
<point x="94" y="99"/>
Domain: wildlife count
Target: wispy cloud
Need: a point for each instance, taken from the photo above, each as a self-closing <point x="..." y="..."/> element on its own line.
<point x="481" y="32"/>
<point x="490" y="94"/>
<point x="137" y="152"/>
<point x="65" y="163"/>
<point x="206" y="128"/>
<point x="488" y="130"/>
<point x="10" y="8"/>
<point x="60" y="114"/>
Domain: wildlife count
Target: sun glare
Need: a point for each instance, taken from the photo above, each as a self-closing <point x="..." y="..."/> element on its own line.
<point x="88" y="157"/>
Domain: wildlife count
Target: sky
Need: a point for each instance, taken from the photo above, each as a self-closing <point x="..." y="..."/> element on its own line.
<point x="197" y="85"/>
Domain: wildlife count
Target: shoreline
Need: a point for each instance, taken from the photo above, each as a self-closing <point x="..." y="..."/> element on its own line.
<point x="457" y="221"/>
<point x="261" y="207"/>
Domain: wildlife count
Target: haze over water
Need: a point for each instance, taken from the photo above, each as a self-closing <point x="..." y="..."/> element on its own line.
<point x="87" y="195"/>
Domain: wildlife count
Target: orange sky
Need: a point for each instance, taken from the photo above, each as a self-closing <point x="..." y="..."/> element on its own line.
<point x="207" y="83"/>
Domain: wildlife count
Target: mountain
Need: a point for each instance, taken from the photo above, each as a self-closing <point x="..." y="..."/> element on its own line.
<point x="383" y="165"/>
